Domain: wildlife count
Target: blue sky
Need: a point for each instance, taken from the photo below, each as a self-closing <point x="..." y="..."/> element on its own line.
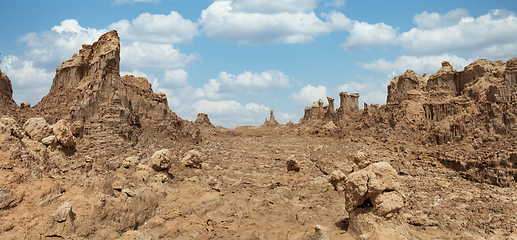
<point x="237" y="59"/>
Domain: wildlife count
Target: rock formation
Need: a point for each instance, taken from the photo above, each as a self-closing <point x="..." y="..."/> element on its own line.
<point x="88" y="88"/>
<point x="6" y="95"/>
<point x="272" y="121"/>
<point x="373" y="201"/>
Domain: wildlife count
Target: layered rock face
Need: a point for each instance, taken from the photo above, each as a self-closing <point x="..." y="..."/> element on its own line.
<point x="6" y="94"/>
<point x="88" y="88"/>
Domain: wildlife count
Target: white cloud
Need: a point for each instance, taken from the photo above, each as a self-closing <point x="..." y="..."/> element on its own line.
<point x="336" y="3"/>
<point x="232" y="113"/>
<point x="144" y="55"/>
<point x="279" y="23"/>
<point x="421" y="65"/>
<point x="468" y="35"/>
<point x="274" y="6"/>
<point x="370" y="91"/>
<point x="434" y="20"/>
<point x="309" y="94"/>
<point x="284" y="118"/>
<point x="263" y="80"/>
<point x="365" y="36"/>
<point x="48" y="49"/>
<point x="157" y="28"/>
<point x="175" y="78"/>
<point x="120" y="2"/>
<point x="30" y="83"/>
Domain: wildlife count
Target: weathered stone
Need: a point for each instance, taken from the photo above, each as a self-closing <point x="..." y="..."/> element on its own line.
<point x="161" y="160"/>
<point x="361" y="159"/>
<point x="192" y="159"/>
<point x="130" y="162"/>
<point x="10" y="126"/>
<point x="63" y="133"/>
<point x="37" y="128"/>
<point x="368" y="183"/>
<point x="349" y="102"/>
<point x="77" y="128"/>
<point x="50" y="140"/>
<point x="292" y="164"/>
<point x="6" y="198"/>
<point x="61" y="222"/>
<point x="25" y="105"/>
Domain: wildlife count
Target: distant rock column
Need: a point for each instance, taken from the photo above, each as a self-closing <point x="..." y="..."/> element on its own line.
<point x="331" y="108"/>
<point x="349" y="102"/>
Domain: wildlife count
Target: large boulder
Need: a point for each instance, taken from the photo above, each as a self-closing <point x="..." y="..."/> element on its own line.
<point x="37" y="128"/>
<point x="373" y="201"/>
<point x="161" y="160"/>
<point x="63" y="133"/>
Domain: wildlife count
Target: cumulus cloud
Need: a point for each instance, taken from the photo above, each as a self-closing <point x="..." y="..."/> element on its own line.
<point x="175" y="78"/>
<point x="365" y="36"/>
<point x="335" y="3"/>
<point x="284" y="118"/>
<point x="157" y="28"/>
<point x="455" y="32"/>
<point x="370" y="91"/>
<point x="421" y="65"/>
<point x="30" y="83"/>
<point x="232" y="113"/>
<point x="288" y="21"/>
<point x="145" y="55"/>
<point x="274" y="6"/>
<point x="309" y="94"/>
<point x="263" y="80"/>
<point x="434" y="20"/>
<point x="49" y="48"/>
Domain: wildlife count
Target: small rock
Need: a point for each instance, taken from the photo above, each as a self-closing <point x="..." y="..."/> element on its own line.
<point x="50" y="140"/>
<point x="292" y="164"/>
<point x="130" y="162"/>
<point x="24" y="105"/>
<point x="77" y="128"/>
<point x="337" y="178"/>
<point x="6" y="198"/>
<point x="192" y="159"/>
<point x="63" y="213"/>
<point x="361" y="159"/>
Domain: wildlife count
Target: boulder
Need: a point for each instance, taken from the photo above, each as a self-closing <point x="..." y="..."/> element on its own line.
<point x="63" y="133"/>
<point x="161" y="160"/>
<point x="192" y="159"/>
<point x="37" y="128"/>
<point x="61" y="222"/>
<point x="77" y="128"/>
<point x="337" y="179"/>
<point x="368" y="183"/>
<point x="373" y="201"/>
<point x="10" y="126"/>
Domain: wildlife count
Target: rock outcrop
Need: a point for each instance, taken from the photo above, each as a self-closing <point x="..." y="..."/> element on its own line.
<point x="373" y="201"/>
<point x="6" y="95"/>
<point x="272" y="121"/>
<point x="88" y="88"/>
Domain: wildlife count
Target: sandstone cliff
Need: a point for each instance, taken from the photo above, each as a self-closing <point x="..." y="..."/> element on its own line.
<point x="89" y="88"/>
<point x="6" y="95"/>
